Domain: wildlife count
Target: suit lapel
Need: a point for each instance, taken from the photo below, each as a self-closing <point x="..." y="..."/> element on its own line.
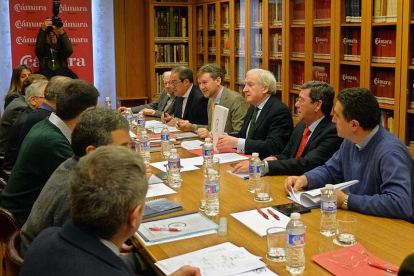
<point x="319" y="128"/>
<point x="246" y="122"/>
<point x="263" y="114"/>
<point x="295" y="146"/>
<point x="189" y="101"/>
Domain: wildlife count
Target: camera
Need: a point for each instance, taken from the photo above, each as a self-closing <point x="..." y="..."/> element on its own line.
<point x="56" y="20"/>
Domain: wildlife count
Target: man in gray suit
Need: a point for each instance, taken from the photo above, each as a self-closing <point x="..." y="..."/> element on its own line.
<point x="210" y="80"/>
<point x="165" y="102"/>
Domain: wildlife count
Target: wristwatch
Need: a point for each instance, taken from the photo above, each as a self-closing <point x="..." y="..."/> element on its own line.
<point x="345" y="204"/>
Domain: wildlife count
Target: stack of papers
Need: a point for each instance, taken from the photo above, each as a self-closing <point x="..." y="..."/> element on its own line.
<point x="159" y="190"/>
<point x="185" y="165"/>
<point x="219" y="260"/>
<point x="313" y="198"/>
<point x="191" y="145"/>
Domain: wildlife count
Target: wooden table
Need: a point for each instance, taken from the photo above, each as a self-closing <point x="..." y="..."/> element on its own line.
<point x="389" y="239"/>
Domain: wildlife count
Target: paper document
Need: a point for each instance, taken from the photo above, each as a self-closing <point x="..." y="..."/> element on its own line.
<point x="187" y="135"/>
<point x="263" y="271"/>
<point x="187" y="224"/>
<point x="154" y="180"/>
<point x="229" y="157"/>
<point x="157" y="129"/>
<point x="218" y="122"/>
<point x="258" y="224"/>
<point x="185" y="167"/>
<point x="189" y="236"/>
<point x="191" y="145"/>
<point x="153" y="123"/>
<point x="313" y="198"/>
<point x="159" y="190"/>
<point x="240" y="175"/>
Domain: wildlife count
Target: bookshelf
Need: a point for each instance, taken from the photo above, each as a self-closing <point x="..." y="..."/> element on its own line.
<point x="170" y="40"/>
<point x="225" y="35"/>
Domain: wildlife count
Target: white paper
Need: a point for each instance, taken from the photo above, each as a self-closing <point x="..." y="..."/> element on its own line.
<point x="185" y="167"/>
<point x="192" y="145"/>
<point x="187" y="135"/>
<point x="153" y="123"/>
<point x="177" y="238"/>
<point x="194" y="161"/>
<point x="229" y="157"/>
<point x="263" y="271"/>
<point x="132" y="135"/>
<point x="154" y="180"/>
<point x="219" y="122"/>
<point x="258" y="224"/>
<point x="159" y="190"/>
<point x="239" y="175"/>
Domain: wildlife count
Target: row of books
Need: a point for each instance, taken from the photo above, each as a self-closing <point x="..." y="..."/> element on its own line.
<point x="385" y="10"/>
<point x="256" y="63"/>
<point x="200" y="19"/>
<point x="298" y="75"/>
<point x="225" y="42"/>
<point x="384" y="45"/>
<point x="225" y="15"/>
<point x="352" y="48"/>
<point x="298" y="8"/>
<point x="411" y="131"/>
<point x="322" y="11"/>
<point x="171" y="23"/>
<point x="350" y="77"/>
<point x="412" y="94"/>
<point x="275" y="12"/>
<point x="258" y="45"/>
<point x="200" y="44"/>
<point x="240" y="66"/>
<point x="240" y="17"/>
<point x="276" y="69"/>
<point x="383" y="85"/>
<point x="322" y="43"/>
<point x="171" y="54"/>
<point x="298" y="47"/>
<point x="353" y="11"/>
<point x="211" y="19"/>
<point x="159" y="82"/>
<point x="321" y="72"/>
<point x="275" y="45"/>
<point x="240" y="49"/>
<point x="211" y="44"/>
<point x="387" y="120"/>
<point x="257" y="13"/>
<point x="225" y="66"/>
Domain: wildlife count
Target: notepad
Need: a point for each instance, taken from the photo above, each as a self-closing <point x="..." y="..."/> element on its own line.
<point x="160" y="206"/>
<point x="313" y="198"/>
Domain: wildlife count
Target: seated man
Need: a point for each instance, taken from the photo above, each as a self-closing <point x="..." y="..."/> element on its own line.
<point x="190" y="104"/>
<point x="370" y="154"/>
<point x="314" y="139"/>
<point x="45" y="147"/>
<point x="164" y="103"/>
<point x="107" y="192"/>
<point x="211" y="80"/>
<point x="268" y="122"/>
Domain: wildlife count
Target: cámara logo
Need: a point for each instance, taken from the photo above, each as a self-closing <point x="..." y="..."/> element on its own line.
<point x="378" y="40"/>
<point x="320" y="74"/>
<point x="25" y="24"/>
<point x="23" y="39"/>
<point x="381" y="82"/>
<point x="28" y="60"/>
<point x="350" y="41"/>
<point x="347" y="77"/>
<point x="321" y="39"/>
<point x="23" y="7"/>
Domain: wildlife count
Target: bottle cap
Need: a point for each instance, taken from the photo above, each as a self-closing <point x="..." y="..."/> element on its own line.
<point x="295" y="216"/>
<point x="173" y="150"/>
<point x="255" y="154"/>
<point x="329" y="186"/>
<point x="108" y="98"/>
<point x="208" y="140"/>
<point x="222" y="230"/>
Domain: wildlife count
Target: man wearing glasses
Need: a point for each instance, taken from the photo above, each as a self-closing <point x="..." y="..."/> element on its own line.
<point x="164" y="103"/>
<point x="314" y="139"/>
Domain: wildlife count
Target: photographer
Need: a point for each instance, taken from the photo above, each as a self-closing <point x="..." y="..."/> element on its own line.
<point x="53" y="47"/>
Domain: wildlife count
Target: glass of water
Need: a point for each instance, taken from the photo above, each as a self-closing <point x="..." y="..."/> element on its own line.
<point x="262" y="191"/>
<point x="276" y="244"/>
<point x="346" y="232"/>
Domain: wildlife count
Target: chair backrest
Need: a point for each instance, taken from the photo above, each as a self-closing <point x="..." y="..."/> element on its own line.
<point x="9" y="224"/>
<point x="5" y="174"/>
<point x="3" y="184"/>
<point x="13" y="258"/>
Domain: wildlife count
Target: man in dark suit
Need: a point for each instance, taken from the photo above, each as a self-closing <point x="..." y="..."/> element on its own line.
<point x="190" y="104"/>
<point x="314" y="139"/>
<point x="268" y="122"/>
<point x="107" y="192"/>
<point x="164" y="103"/>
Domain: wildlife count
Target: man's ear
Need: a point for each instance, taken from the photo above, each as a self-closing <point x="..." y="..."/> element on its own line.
<point x="89" y="149"/>
<point x="32" y="101"/>
<point x="135" y="216"/>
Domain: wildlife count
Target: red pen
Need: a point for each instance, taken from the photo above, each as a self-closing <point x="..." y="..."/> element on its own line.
<point x="263" y="214"/>
<point x="273" y="214"/>
<point x="165" y="229"/>
<point x="387" y="269"/>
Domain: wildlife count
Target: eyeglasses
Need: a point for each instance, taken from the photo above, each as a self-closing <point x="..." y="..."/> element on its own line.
<point x="175" y="83"/>
<point x="301" y="100"/>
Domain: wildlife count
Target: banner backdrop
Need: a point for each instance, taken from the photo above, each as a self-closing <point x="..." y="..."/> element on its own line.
<point x="27" y="17"/>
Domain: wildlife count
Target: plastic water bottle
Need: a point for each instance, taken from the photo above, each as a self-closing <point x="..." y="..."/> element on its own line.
<point x="208" y="153"/>
<point x="165" y="142"/>
<point x="108" y="103"/>
<point x="130" y="118"/>
<point x="255" y="170"/>
<point x="140" y="123"/>
<point x="211" y="188"/>
<point x="328" y="209"/>
<point x="145" y="147"/>
<point x="174" y="167"/>
<point x="295" y="245"/>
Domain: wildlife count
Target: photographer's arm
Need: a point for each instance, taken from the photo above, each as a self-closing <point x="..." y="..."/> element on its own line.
<point x="41" y="39"/>
<point x="66" y="50"/>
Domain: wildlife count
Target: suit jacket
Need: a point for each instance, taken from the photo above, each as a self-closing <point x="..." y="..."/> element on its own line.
<point x="271" y="131"/>
<point x="8" y="118"/>
<point x="158" y="105"/>
<point x="322" y="144"/>
<point x="196" y="108"/>
<point x="71" y="251"/>
<point x="237" y="110"/>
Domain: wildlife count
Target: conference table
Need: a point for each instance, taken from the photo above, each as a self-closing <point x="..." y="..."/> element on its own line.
<point x="389" y="239"/>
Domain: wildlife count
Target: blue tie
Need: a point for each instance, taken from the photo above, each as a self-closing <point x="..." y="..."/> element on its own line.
<point x="179" y="108"/>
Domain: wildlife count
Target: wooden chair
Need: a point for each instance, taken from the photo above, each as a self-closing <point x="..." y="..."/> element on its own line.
<point x="13" y="258"/>
<point x="3" y="184"/>
<point x="9" y="224"/>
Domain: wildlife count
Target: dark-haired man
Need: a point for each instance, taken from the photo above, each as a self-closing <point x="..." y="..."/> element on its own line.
<point x="370" y="154"/>
<point x="314" y="139"/>
<point x="45" y="147"/>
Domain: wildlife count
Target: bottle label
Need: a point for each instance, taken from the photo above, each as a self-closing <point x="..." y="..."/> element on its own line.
<point x="254" y="169"/>
<point x="140" y="121"/>
<point x="295" y="239"/>
<point x="208" y="152"/>
<point x="211" y="189"/>
<point x="174" y="164"/>
<point x="145" y="144"/>
<point x="165" y="137"/>
<point x="328" y="205"/>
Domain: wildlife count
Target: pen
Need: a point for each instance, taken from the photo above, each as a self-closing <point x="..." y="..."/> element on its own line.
<point x="165" y="229"/>
<point x="263" y="214"/>
<point x="273" y="214"/>
<point x="387" y="269"/>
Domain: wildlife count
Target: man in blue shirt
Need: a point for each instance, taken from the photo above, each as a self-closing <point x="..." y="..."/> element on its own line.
<point x="370" y="154"/>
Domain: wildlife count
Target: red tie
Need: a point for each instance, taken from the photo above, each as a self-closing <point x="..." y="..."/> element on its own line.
<point x="305" y="137"/>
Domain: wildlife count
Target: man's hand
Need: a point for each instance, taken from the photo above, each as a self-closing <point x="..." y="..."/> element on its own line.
<point x="185" y="126"/>
<point x="225" y="141"/>
<point x="340" y="196"/>
<point x="149" y="172"/>
<point x="125" y="249"/>
<point x="295" y="182"/>
<point x="187" y="271"/>
<point x="203" y="133"/>
<point x="148" y="112"/>
<point x="47" y="23"/>
<point x="174" y="122"/>
<point x="122" y="110"/>
<point x="241" y="167"/>
<point x="270" y="158"/>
